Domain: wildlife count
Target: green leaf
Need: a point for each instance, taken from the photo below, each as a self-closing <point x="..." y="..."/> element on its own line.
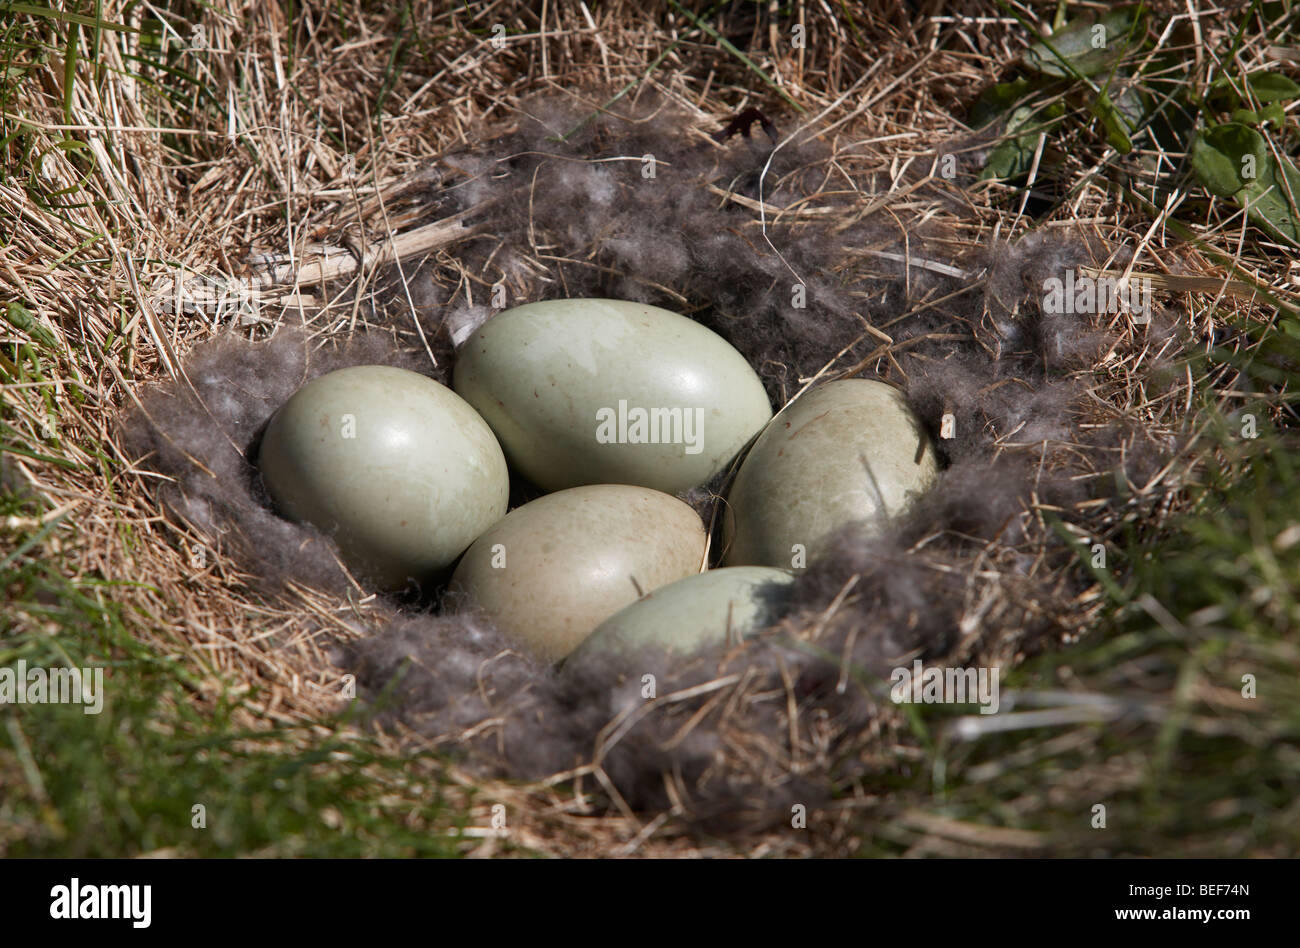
<point x="1219" y="157"/>
<point x="1272" y="87"/>
<point x="1014" y="156"/>
<point x="1122" y="116"/>
<point x="996" y="100"/>
<point x="1114" y="123"/>
<point x="1270" y="200"/>
<point x="1087" y="45"/>
<point x="70" y="73"/>
<point x="1273" y="114"/>
<point x="1224" y="93"/>
<point x="47" y="11"/>
<point x="22" y="319"/>
<point x="1234" y="161"/>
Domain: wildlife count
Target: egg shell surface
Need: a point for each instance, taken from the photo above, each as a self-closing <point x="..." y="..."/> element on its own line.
<point x="598" y="391"/>
<point x="555" y="568"/>
<point x="399" y="470"/>
<point x="846" y="451"/>
<point x="715" y="608"/>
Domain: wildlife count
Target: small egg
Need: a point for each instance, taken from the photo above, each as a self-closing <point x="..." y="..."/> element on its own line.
<point x="397" y="468"/>
<point x="845" y="451"/>
<point x="555" y="568"/>
<point x="713" y="608"/>
<point x="595" y="391"/>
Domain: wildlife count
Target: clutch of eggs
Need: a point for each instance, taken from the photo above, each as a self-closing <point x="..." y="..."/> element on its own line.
<point x="609" y="406"/>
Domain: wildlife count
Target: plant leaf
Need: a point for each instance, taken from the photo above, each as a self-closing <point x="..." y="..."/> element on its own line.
<point x="1266" y="87"/>
<point x="1114" y="123"/>
<point x="996" y="100"/>
<point x="1219" y="157"/>
<point x="1014" y="155"/>
<point x="1272" y="87"/>
<point x="1273" y="114"/>
<point x="21" y="318"/>
<point x="1233" y="160"/>
<point x="1270" y="200"/>
<point x="1089" y="45"/>
<point x="1121" y="116"/>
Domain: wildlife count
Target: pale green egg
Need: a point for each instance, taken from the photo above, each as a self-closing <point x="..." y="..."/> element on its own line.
<point x="595" y="391"/>
<point x="850" y="451"/>
<point x="717" y="608"/>
<point x="399" y="470"/>
<point x="555" y="568"/>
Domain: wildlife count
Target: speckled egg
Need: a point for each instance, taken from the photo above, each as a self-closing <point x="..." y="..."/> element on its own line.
<point x="397" y="468"/>
<point x="555" y="568"/>
<point x="595" y="391"/>
<point x="845" y="451"/>
<point x="720" y="607"/>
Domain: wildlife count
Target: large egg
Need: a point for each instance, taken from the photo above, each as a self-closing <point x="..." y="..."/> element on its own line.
<point x="846" y="451"/>
<point x="595" y="391"/>
<point x="397" y="468"/>
<point x="716" y="608"/>
<point x="557" y="567"/>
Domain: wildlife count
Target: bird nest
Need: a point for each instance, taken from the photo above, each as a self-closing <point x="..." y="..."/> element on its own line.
<point x="787" y="242"/>
<point x="850" y="240"/>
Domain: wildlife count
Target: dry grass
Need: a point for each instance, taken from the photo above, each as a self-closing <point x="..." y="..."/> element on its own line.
<point x="305" y="147"/>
